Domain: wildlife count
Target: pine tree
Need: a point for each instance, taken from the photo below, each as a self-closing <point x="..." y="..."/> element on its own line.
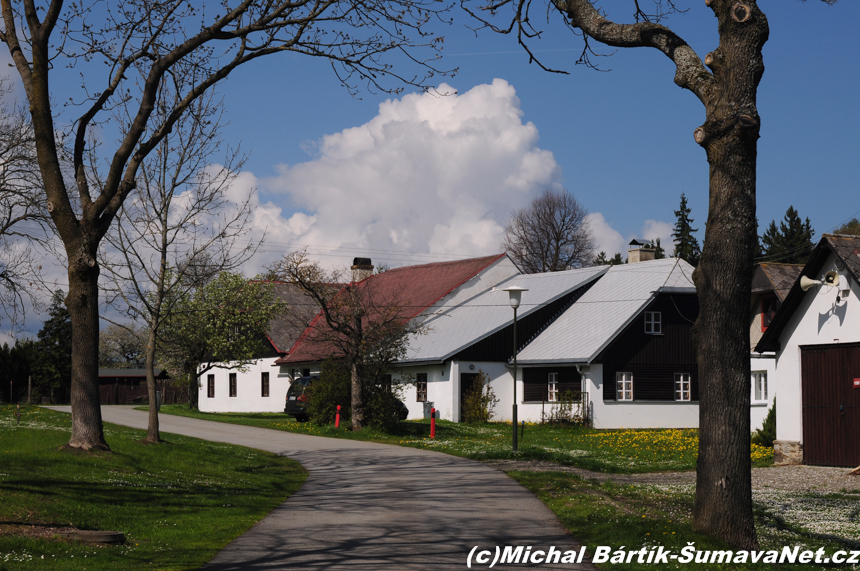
<point x="659" y="252"/>
<point x="791" y="242"/>
<point x="55" y="339"/>
<point x="686" y="245"/>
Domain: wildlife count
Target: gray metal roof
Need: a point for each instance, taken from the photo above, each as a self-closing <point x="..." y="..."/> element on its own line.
<point x="453" y="328"/>
<point x="605" y="310"/>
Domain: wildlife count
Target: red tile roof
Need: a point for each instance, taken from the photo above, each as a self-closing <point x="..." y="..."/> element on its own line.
<point x="412" y="288"/>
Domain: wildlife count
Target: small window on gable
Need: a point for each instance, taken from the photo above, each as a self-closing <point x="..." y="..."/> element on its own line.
<point x="653" y="325"/>
<point x="232" y="384"/>
<point x="759" y="383"/>
<point x="682" y="386"/>
<point x="552" y="387"/>
<point x="624" y="386"/>
<point x="769" y="305"/>
<point x="421" y="384"/>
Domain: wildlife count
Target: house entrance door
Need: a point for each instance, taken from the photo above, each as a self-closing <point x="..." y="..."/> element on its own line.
<point x="467" y="381"/>
<point x="830" y="381"/>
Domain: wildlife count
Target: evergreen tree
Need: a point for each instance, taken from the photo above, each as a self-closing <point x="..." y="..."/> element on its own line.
<point x="791" y="242"/>
<point x="659" y="252"/>
<point x="54" y="369"/>
<point x="686" y="245"/>
<point x="600" y="260"/>
<point x="617" y="260"/>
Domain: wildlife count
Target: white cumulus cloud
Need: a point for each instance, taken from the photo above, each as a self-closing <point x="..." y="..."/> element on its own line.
<point x="430" y="174"/>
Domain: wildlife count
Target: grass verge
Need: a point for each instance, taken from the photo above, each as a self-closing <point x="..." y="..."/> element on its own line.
<point x="178" y="503"/>
<point x="636" y="516"/>
<point x="609" y="451"/>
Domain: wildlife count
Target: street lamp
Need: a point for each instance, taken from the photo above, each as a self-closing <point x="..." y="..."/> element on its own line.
<point x="514" y="295"/>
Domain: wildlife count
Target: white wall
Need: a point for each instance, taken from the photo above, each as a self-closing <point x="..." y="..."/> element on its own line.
<point x="248" y="389"/>
<point x="758" y="409"/>
<point x="819" y="320"/>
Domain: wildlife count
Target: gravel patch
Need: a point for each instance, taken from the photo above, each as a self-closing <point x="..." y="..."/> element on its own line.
<point x="812" y="479"/>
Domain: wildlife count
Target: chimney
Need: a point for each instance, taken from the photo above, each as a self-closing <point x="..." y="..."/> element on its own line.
<point x="640" y="251"/>
<point x="361" y="269"/>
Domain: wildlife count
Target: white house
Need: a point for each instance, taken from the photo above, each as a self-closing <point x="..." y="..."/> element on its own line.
<point x="816" y="338"/>
<point x="260" y="386"/>
<point x="468" y="335"/>
<point x="770" y="284"/>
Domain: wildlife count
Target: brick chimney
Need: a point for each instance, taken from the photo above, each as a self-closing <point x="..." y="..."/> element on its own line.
<point x="640" y="251"/>
<point x="361" y="269"/>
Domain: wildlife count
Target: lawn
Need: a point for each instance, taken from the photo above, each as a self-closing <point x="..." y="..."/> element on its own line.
<point x="610" y="451"/>
<point x="637" y="516"/>
<point x="178" y="503"/>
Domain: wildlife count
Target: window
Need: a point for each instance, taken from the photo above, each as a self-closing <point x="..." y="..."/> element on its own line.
<point x="264" y="382"/>
<point x="682" y="386"/>
<point x="306" y="372"/>
<point x="624" y="386"/>
<point x="759" y="383"/>
<point x="421" y="383"/>
<point x="652" y="323"/>
<point x="552" y="387"/>
<point x="210" y="386"/>
<point x="232" y="384"/>
<point x="768" y="310"/>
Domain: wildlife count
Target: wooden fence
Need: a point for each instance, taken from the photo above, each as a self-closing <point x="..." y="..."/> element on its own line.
<point x="121" y="394"/>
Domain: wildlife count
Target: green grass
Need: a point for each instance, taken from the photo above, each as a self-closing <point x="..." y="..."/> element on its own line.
<point x="178" y="503"/>
<point x="609" y="451"/>
<point x="648" y="516"/>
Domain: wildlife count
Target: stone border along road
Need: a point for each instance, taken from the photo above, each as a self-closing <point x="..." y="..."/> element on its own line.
<point x="374" y="506"/>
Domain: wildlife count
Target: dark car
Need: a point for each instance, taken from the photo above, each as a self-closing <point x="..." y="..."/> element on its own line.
<point x="297" y="400"/>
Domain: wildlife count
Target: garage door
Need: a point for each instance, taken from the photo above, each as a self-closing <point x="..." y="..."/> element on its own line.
<point x="830" y="380"/>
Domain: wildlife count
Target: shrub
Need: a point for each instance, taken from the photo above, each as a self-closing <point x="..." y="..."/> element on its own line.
<point x="479" y="403"/>
<point x="568" y="409"/>
<point x="333" y="388"/>
<point x="765" y="435"/>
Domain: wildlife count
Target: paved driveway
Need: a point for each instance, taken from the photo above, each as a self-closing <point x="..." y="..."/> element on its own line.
<point x="372" y="506"/>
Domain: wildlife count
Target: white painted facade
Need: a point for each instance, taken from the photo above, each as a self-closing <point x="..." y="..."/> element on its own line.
<point x="248" y="389"/>
<point x="818" y="320"/>
<point x="761" y="363"/>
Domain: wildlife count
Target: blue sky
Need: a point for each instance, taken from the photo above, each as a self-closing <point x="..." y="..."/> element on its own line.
<point x="416" y="178"/>
<point x="623" y="138"/>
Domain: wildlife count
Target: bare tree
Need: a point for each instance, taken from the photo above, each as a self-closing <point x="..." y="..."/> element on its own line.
<point x="725" y="81"/>
<point x="122" y="347"/>
<point x="23" y="219"/>
<point x="551" y="234"/>
<point x="145" y="45"/>
<point x="177" y="230"/>
<point x="367" y="327"/>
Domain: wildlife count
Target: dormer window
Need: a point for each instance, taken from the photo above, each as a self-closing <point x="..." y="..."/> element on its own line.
<point x="769" y="305"/>
<point x="653" y="325"/>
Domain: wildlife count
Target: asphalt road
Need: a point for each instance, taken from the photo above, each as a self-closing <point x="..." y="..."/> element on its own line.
<point x="373" y="506"/>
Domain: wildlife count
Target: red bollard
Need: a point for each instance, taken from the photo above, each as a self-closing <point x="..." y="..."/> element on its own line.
<point x="337" y="418"/>
<point x="432" y="423"/>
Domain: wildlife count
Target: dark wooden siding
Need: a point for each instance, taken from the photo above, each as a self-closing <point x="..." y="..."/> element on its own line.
<point x="497" y="347"/>
<point x="831" y="404"/>
<point x="535" y="385"/>
<point x="654" y="359"/>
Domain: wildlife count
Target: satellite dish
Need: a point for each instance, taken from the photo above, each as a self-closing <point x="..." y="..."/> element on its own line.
<point x="831" y="278"/>
<point x="806" y="284"/>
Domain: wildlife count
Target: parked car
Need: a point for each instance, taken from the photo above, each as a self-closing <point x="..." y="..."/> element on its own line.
<point x="297" y="400"/>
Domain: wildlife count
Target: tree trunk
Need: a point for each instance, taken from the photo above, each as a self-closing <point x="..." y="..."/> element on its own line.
<point x="82" y="303"/>
<point x="723" y="504"/>
<point x="357" y="397"/>
<point x="152" y="434"/>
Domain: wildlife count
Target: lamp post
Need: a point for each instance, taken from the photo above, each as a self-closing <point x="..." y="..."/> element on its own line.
<point x="514" y="295"/>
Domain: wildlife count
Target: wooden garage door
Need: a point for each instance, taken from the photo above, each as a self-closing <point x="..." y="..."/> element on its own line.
<point x="831" y="404"/>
